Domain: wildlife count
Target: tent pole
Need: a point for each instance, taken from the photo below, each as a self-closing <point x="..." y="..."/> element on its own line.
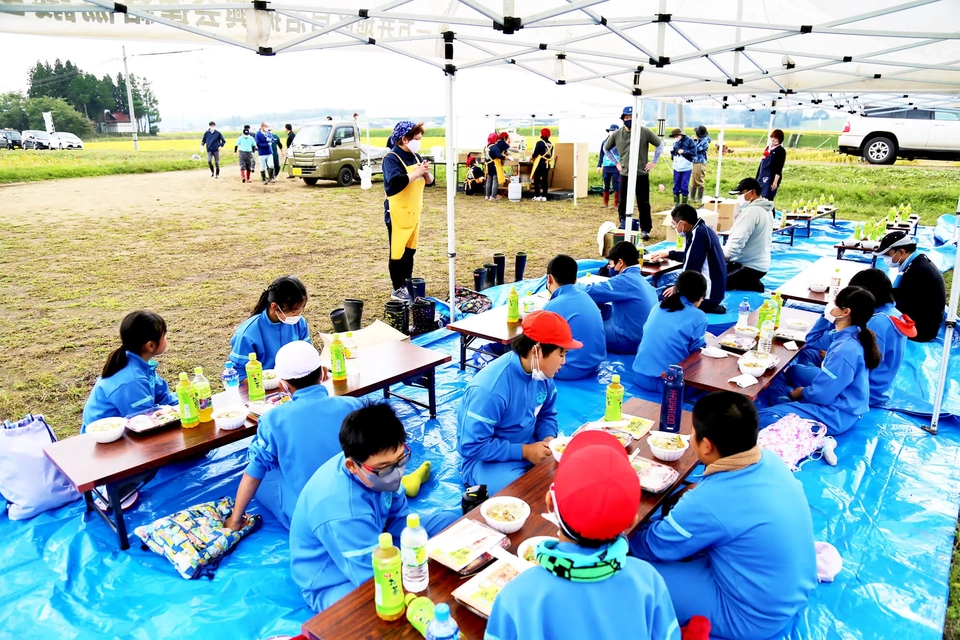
<point x="133" y="117"/>
<point x="723" y="123"/>
<point x="452" y="180"/>
<point x="773" y="114"/>
<point x="948" y="335"/>
<point x="632" y="171"/>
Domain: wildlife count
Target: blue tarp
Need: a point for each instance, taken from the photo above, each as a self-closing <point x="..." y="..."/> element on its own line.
<point x="890" y="507"/>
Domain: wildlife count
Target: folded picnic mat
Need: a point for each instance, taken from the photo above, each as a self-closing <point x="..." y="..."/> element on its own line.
<point x="194" y="540"/>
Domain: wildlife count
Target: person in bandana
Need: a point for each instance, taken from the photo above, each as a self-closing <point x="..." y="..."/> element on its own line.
<point x="585" y="585"/>
<point x="348" y="503"/>
<point x="738" y="548"/>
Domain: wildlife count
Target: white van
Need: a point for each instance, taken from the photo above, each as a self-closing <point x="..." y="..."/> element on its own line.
<point x="882" y="135"/>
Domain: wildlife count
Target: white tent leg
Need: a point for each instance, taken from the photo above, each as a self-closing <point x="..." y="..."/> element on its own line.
<point x="773" y="114"/>
<point x="452" y="180"/>
<point x="948" y="335"/>
<point x="632" y="176"/>
<point x="723" y="123"/>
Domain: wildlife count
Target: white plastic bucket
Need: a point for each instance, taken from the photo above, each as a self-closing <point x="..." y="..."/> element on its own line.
<point x="514" y="191"/>
<point x="366" y="178"/>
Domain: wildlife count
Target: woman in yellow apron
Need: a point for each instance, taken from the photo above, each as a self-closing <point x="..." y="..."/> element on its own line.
<point x="542" y="156"/>
<point x="494" y="155"/>
<point x="405" y="174"/>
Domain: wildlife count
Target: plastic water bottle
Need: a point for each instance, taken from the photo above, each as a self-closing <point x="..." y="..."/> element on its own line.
<point x="831" y="200"/>
<point x="743" y="313"/>
<point x="413" y="551"/>
<point x="231" y="384"/>
<point x="442" y="627"/>
<point x="765" y="341"/>
<point x="763" y="313"/>
<point x="857" y="233"/>
<point x="614" y="400"/>
<point x="773" y="310"/>
<point x="388" y="589"/>
<point x="779" y="299"/>
<point x="189" y="406"/>
<point x="255" y="379"/>
<point x="202" y="385"/>
<point x="679" y="243"/>
<point x="513" y="306"/>
<point x="529" y="304"/>
<point x="351" y="349"/>
<point x="835" y="282"/>
<point x="671" y="407"/>
<point x="338" y="359"/>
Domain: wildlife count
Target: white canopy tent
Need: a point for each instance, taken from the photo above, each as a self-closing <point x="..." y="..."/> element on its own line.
<point x="755" y="53"/>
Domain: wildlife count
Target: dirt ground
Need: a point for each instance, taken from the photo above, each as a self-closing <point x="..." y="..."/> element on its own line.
<point x="78" y="254"/>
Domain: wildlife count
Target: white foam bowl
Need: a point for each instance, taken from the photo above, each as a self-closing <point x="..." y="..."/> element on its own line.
<point x="505" y="527"/>
<point x="230" y="418"/>
<point x="818" y="287"/>
<point x="556" y="443"/>
<point x="756" y="372"/>
<point x="798" y="325"/>
<point x="747" y="332"/>
<point x="270" y="385"/>
<point x="870" y="244"/>
<point x="850" y="242"/>
<point x="107" y="430"/>
<point x="531" y="542"/>
<point x="666" y="455"/>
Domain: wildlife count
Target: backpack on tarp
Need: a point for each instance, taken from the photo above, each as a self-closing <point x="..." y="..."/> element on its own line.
<point x="470" y="301"/>
<point x="29" y="482"/>
<point x="794" y="439"/>
<point x="194" y="539"/>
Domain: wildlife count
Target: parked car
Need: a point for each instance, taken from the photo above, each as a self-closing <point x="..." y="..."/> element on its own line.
<point x="10" y="139"/>
<point x="880" y="136"/>
<point x="330" y="151"/>
<point x="36" y="140"/>
<point x="64" y="140"/>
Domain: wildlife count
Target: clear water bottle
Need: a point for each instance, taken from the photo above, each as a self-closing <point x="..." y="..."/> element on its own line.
<point x="231" y="385"/>
<point x="413" y="552"/>
<point x="743" y="313"/>
<point x="765" y="341"/>
<point x="442" y="627"/>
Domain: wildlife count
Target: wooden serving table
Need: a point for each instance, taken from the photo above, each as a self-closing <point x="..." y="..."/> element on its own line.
<point x="490" y="325"/>
<point x="656" y="269"/>
<point x="797" y="287"/>
<point x="789" y="230"/>
<point x="910" y="226"/>
<point x="713" y="374"/>
<point x="800" y="218"/>
<point x="355" y="615"/>
<point x="842" y="250"/>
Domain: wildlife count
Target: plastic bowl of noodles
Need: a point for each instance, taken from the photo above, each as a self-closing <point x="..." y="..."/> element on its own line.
<point x="505" y="514"/>
<point x="528" y="548"/>
<point x="107" y="430"/>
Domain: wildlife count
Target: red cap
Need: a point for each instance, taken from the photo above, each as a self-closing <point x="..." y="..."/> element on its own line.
<point x="504" y="135"/>
<point x="547" y="327"/>
<point x="545" y="133"/>
<point x="596" y="490"/>
<point x="491" y="138"/>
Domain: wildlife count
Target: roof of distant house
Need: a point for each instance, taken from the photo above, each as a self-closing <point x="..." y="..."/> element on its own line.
<point x="118" y="117"/>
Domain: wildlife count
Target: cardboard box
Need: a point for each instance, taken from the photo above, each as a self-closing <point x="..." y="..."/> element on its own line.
<point x="727" y="209"/>
<point x="707" y="214"/>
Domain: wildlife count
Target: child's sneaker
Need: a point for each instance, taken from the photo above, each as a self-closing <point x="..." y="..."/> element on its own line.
<point x="829" y="451"/>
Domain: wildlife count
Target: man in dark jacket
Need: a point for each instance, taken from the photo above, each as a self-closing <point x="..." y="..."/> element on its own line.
<point x="702" y="253"/>
<point x="212" y="141"/>
<point x="684" y="152"/>
<point x="770" y="171"/>
<point x="918" y="286"/>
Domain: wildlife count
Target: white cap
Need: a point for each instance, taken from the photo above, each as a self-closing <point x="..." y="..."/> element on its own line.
<point x="296" y="359"/>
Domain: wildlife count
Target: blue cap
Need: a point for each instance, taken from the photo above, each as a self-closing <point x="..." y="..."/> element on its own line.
<point x="627" y="111"/>
<point x="613" y="127"/>
<point x="441" y="612"/>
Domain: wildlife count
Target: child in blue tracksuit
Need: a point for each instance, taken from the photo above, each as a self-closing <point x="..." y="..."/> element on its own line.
<point x="675" y="329"/>
<point x="585" y="586"/>
<point x="702" y="252"/>
<point x="276" y="320"/>
<point x="583" y="316"/>
<point x="630" y="296"/>
<point x="838" y="392"/>
<point x="508" y="413"/>
<point x="738" y="548"/>
<point x="683" y="153"/>
<point x="891" y="328"/>
<point x="348" y="503"/>
<point x="294" y="439"/>
<point x="129" y="382"/>
<point x="607" y="167"/>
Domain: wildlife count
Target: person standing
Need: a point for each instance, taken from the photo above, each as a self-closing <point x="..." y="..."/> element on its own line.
<point x="748" y="248"/>
<point x="699" y="166"/>
<point x="620" y="140"/>
<point x="276" y="147"/>
<point x="247" y="145"/>
<point x="405" y="174"/>
<point x="542" y="155"/>
<point x="683" y="153"/>
<point x="265" y="152"/>
<point x="607" y="167"/>
<point x="290" y="136"/>
<point x="212" y="141"/>
<point x="918" y="286"/>
<point x="770" y="171"/>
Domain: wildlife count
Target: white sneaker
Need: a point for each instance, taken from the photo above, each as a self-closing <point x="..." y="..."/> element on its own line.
<point x="829" y="451"/>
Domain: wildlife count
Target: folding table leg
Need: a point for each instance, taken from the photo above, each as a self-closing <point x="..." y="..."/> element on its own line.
<point x="431" y="377"/>
<point x="113" y="495"/>
<point x="463" y="352"/>
<point x="793" y="233"/>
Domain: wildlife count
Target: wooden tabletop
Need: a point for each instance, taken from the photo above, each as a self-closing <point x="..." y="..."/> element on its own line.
<point x="490" y="325"/>
<point x="821" y="212"/>
<point x="659" y="268"/>
<point x="713" y="374"/>
<point x="355" y="615"/>
<point x="796" y="288"/>
<point x="855" y="247"/>
<point x="382" y="365"/>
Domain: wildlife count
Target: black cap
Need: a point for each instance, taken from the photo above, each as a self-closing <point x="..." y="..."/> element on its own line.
<point x="895" y="240"/>
<point x="747" y="184"/>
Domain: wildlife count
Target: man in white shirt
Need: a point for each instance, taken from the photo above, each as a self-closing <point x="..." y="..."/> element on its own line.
<point x="748" y="246"/>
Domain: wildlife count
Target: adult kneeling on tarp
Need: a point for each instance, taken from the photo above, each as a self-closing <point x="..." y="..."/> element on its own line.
<point x="748" y="247"/>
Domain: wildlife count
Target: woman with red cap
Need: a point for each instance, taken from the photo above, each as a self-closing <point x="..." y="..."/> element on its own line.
<point x="542" y="156"/>
<point x="495" y="153"/>
<point x="585" y="585"/>
<point x="508" y="414"/>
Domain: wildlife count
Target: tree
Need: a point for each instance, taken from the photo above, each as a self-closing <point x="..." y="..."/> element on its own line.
<point x="13" y="115"/>
<point x="65" y="117"/>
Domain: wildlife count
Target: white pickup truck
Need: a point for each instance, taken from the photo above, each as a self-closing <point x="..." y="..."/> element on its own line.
<point x="880" y="136"/>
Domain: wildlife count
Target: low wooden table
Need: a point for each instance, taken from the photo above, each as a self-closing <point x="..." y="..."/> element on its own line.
<point x="713" y="374"/>
<point x="490" y="325"/>
<point x="842" y="250"/>
<point x="658" y="269"/>
<point x="355" y="615"/>
<point x="910" y="226"/>
<point x="810" y="217"/>
<point x="789" y="230"/>
<point x="796" y="288"/>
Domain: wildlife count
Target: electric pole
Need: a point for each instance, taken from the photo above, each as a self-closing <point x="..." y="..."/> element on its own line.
<point x="133" y="116"/>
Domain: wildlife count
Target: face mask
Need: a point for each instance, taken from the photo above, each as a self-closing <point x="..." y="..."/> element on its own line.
<point x="627" y="123"/>
<point x="535" y="372"/>
<point x="285" y="319"/>
<point x="386" y="484"/>
<point x="742" y="200"/>
<point x="889" y="261"/>
<point x="212" y="129"/>
<point x="827" y="315"/>
<point x="414" y="146"/>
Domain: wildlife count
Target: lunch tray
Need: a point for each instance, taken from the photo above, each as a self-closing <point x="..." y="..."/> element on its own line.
<point x="146" y="412"/>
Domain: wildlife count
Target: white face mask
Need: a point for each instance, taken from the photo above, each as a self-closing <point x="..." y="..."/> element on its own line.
<point x="742" y="200"/>
<point x="889" y="261"/>
<point x="535" y="371"/>
<point x="285" y="319"/>
<point x="826" y="312"/>
<point x="414" y="146"/>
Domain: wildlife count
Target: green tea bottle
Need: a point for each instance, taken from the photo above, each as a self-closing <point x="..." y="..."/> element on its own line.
<point x="614" y="410"/>
<point x="513" y="306"/>
<point x="338" y="359"/>
<point x="255" y="379"/>
<point x="387" y="580"/>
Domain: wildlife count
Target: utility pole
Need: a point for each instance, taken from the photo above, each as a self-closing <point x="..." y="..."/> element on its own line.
<point x="133" y="116"/>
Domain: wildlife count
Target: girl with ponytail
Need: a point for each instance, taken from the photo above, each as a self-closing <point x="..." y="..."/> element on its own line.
<point x="276" y="320"/>
<point x="838" y="392"/>
<point x="129" y="382"/>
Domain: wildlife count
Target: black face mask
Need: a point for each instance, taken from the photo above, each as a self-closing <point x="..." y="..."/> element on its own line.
<point x="627" y="123"/>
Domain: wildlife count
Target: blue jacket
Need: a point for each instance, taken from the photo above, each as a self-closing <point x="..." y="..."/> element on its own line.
<point x="702" y="147"/>
<point x="704" y="253"/>
<point x="264" y="143"/>
<point x="669" y="337"/>
<point x="605" y="160"/>
<point x="841" y="390"/>
<point x="891" y="341"/>
<point x="213" y="140"/>
<point x="685" y="146"/>
<point x="754" y="524"/>
<point x="334" y="530"/>
<point x="586" y="323"/>
<point x="537" y="605"/>
<point x="131" y="390"/>
<point x="296" y="438"/>
<point x="503" y="409"/>
<point x="632" y="299"/>
<point x="258" y="334"/>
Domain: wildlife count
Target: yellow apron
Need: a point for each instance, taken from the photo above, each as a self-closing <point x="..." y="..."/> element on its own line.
<point x="546" y="157"/>
<point x="501" y="177"/>
<point x="405" y="209"/>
